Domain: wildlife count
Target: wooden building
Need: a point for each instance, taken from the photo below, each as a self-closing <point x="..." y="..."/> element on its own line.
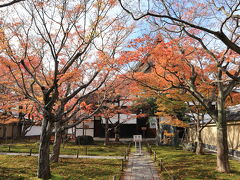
<point x="127" y="129"/>
<point x="9" y="127"/>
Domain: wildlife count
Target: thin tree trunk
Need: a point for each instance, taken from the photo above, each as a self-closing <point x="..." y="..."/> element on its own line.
<point x="43" y="158"/>
<point x="174" y="138"/>
<point x="57" y="143"/>
<point x="116" y="131"/>
<point x="157" y="133"/>
<point x="106" y="142"/>
<point x="222" y="150"/>
<point x="199" y="144"/>
<point x="160" y="133"/>
<point x="222" y="143"/>
<point x="222" y="147"/>
<point x="117" y="128"/>
<point x="199" y="148"/>
<point x="117" y="137"/>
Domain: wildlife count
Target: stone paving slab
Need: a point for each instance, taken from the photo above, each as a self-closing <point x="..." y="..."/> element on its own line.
<point x="140" y="168"/>
<point x="66" y="156"/>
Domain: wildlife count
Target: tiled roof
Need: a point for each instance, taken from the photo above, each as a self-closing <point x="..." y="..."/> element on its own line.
<point x="233" y="114"/>
<point x="8" y="119"/>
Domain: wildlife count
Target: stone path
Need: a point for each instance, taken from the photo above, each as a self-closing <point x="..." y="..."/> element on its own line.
<point x="140" y="168"/>
<point x="66" y="156"/>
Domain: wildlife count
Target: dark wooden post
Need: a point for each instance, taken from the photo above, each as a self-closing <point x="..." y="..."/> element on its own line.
<point x="30" y="152"/>
<point x="77" y="153"/>
<point x="161" y="165"/>
<point x="155" y="157"/>
<point x="122" y="164"/>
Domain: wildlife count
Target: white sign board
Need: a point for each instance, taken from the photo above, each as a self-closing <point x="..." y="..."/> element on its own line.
<point x="152" y="122"/>
<point x="137" y="138"/>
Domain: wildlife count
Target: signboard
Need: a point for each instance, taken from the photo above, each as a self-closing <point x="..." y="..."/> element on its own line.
<point x="152" y="122"/>
<point x="137" y="138"/>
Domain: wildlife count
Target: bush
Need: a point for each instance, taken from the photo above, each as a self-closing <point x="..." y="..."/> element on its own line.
<point x="84" y="140"/>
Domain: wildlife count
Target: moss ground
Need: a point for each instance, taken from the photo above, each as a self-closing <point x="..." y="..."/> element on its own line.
<point x="187" y="165"/>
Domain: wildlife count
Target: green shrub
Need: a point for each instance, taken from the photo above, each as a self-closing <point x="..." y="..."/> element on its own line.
<point x="84" y="140"/>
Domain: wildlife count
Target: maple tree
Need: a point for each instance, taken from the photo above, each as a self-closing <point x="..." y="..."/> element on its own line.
<point x="203" y="73"/>
<point x="179" y="107"/>
<point x="144" y="104"/>
<point x="14" y="107"/>
<point x="172" y="105"/>
<point x="172" y="111"/>
<point x="218" y="36"/>
<point x="191" y="16"/>
<point x="58" y="53"/>
<point x="116" y="103"/>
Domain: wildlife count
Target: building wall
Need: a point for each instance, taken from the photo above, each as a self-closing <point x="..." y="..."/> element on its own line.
<point x="234" y="136"/>
<point x="88" y="128"/>
<point x="1" y="131"/>
<point x="209" y="135"/>
<point x="87" y="132"/>
<point x="34" y="131"/>
<point x="11" y="131"/>
<point x="15" y="132"/>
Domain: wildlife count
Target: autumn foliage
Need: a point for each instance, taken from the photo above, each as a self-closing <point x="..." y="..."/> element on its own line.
<point x="58" y="53"/>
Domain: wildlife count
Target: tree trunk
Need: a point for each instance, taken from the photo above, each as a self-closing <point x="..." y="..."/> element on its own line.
<point x="117" y="137"/>
<point x="158" y="134"/>
<point x="199" y="144"/>
<point x="174" y="138"/>
<point x="116" y="131"/>
<point x="222" y="147"/>
<point x="25" y="129"/>
<point x="199" y="148"/>
<point x="106" y="142"/>
<point x="57" y="143"/>
<point x="222" y="143"/>
<point x="43" y="157"/>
